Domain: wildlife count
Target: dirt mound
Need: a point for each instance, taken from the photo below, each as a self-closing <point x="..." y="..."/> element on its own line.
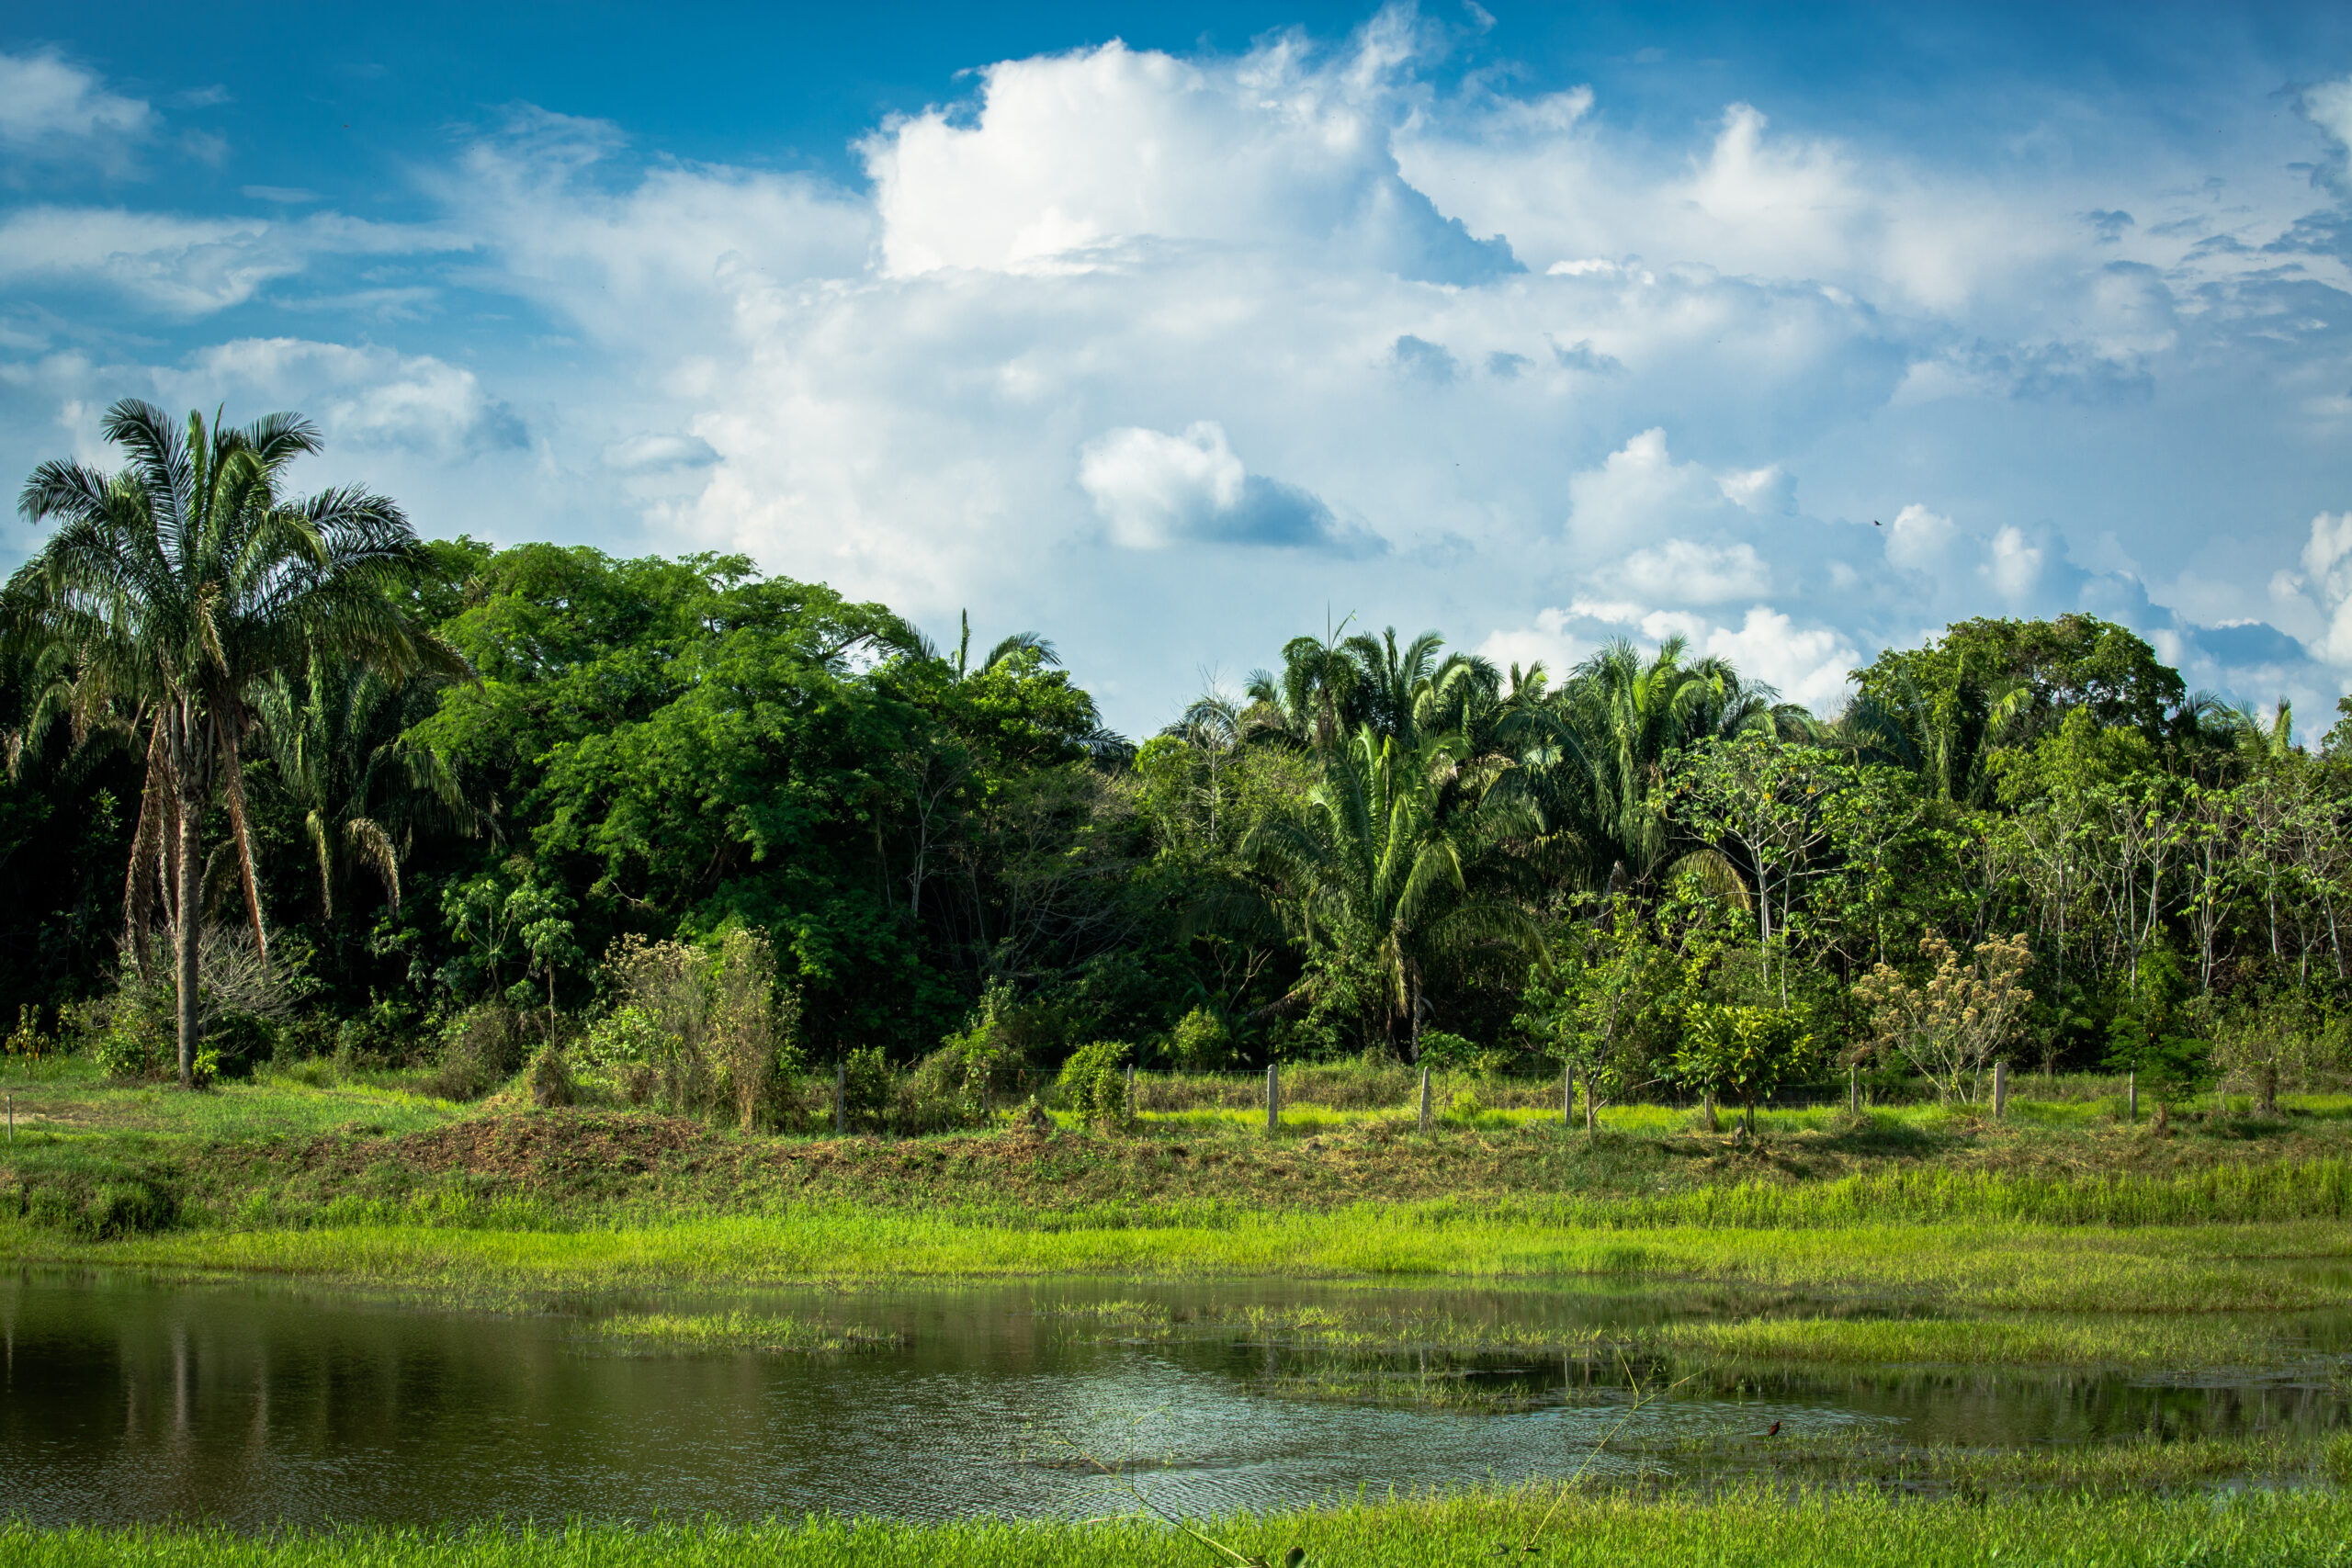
<point x="555" y="1145"/>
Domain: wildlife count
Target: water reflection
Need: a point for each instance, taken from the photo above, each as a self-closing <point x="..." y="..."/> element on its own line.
<point x="254" y="1405"/>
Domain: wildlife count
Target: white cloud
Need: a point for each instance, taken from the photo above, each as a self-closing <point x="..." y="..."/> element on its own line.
<point x="366" y="398"/>
<point x="1682" y="572"/>
<point x="2013" y="565"/>
<point x="1156" y="490"/>
<point x="43" y="99"/>
<point x="1071" y="158"/>
<point x="2327" y="575"/>
<point x="187" y="266"/>
<point x="1918" y="539"/>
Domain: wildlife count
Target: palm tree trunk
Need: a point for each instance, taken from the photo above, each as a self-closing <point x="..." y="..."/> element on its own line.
<point x="187" y="929"/>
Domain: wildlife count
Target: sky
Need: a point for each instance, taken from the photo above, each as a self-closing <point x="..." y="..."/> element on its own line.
<point x="1175" y="331"/>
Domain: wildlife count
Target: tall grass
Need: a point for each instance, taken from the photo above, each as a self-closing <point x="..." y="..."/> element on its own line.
<point x="1755" y="1525"/>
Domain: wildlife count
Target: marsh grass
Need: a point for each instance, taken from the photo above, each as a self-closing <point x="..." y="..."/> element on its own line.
<point x="691" y="1333"/>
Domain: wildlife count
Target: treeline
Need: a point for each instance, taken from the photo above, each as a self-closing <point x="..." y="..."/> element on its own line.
<point x="395" y="783"/>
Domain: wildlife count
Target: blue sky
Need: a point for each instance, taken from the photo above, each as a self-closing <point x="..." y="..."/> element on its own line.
<point x="1170" y="331"/>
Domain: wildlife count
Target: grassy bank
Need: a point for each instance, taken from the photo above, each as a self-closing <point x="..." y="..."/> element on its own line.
<point x="1756" y="1526"/>
<point x="2054" y="1210"/>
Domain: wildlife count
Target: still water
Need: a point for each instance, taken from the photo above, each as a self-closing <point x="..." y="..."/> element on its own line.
<point x="126" y="1400"/>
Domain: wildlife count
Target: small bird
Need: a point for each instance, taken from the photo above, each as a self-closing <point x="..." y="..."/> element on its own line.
<point x="1876" y="524"/>
<point x="1773" y="1430"/>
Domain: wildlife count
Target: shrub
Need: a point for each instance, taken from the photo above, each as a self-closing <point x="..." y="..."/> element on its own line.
<point x="1949" y="1028"/>
<point x="1741" y="1052"/>
<point x="704" y="1032"/>
<point x="1095" y="1079"/>
<point x="550" y="1078"/>
<point x="625" y="1036"/>
<point x="865" y="1082"/>
<point x="1201" y="1043"/>
<point x="135" y="1039"/>
<point x="480" y="1048"/>
<point x="1445" y="1052"/>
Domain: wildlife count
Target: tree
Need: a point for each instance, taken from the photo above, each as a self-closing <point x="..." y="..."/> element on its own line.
<point x="1766" y="800"/>
<point x="1599" y="1009"/>
<point x="362" y="792"/>
<point x="1370" y="869"/>
<point x="177" y="585"/>
<point x="1741" y="1052"/>
<point x="1949" y="1028"/>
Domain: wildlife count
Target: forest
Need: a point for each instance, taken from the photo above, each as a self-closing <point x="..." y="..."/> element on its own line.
<point x="285" y="781"/>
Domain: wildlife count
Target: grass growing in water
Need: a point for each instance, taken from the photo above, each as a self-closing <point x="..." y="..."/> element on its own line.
<point x="1752" y="1526"/>
<point x="706" y="1332"/>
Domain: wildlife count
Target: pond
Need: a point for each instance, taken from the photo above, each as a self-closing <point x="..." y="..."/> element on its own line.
<point x="255" y="1404"/>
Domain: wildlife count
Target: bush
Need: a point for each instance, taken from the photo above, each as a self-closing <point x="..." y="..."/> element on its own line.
<point x="1095" y="1080"/>
<point x="1444" y="1051"/>
<point x="135" y="1039"/>
<point x="550" y="1078"/>
<point x="1201" y="1043"/>
<point x="626" y="1036"/>
<point x="480" y="1048"/>
<point x="865" y="1082"/>
<point x="702" y="1032"/>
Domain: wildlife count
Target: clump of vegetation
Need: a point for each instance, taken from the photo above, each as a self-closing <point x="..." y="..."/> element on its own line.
<point x="1950" y="1028"/>
<point x="1094" y="1082"/>
<point x="703" y="1031"/>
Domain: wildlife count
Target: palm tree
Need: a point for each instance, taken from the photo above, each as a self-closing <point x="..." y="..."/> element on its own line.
<point x="1313" y="700"/>
<point x="178" y="584"/>
<point x="362" y="790"/>
<point x="1374" y="871"/>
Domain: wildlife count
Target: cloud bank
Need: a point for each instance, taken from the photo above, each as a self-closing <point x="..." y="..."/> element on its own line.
<point x="1173" y="356"/>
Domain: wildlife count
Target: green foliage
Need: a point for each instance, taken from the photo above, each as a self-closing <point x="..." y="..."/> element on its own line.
<point x="866" y="1082"/>
<point x="1200" y="1043"/>
<point x="1608" y="1009"/>
<point x="1094" y="1082"/>
<point x="1448" y="1053"/>
<point x="1741" y="1053"/>
<point x="2158" y="1033"/>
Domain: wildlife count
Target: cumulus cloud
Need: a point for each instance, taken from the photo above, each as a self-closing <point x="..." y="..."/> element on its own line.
<point x="1073" y="159"/>
<point x="1154" y="490"/>
<point x="366" y="398"/>
<point x="1918" y="539"/>
<point x="1123" y="313"/>
<point x="1684" y="571"/>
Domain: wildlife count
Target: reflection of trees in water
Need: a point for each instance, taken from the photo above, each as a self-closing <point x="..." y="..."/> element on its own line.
<point x="250" y="1406"/>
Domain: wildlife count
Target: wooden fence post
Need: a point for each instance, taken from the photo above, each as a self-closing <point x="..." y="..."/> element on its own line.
<point x="2000" y="1090"/>
<point x="1273" y="1098"/>
<point x="841" y="1098"/>
<point x="1131" y="1090"/>
<point x="1425" y="1099"/>
<point x="2132" y="1096"/>
<point x="1853" y="1088"/>
<point x="1569" y="1097"/>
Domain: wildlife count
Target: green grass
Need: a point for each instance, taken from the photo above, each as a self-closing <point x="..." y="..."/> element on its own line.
<point x="1758" y="1526"/>
<point x="1961" y="1264"/>
<point x="2132" y="1341"/>
<point x="686" y="1332"/>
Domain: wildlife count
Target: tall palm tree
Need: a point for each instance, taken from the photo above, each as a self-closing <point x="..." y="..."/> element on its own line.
<point x="180" y="582"/>
<point x="1313" y="700"/>
<point x="361" y="790"/>
<point x="1375" y="870"/>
